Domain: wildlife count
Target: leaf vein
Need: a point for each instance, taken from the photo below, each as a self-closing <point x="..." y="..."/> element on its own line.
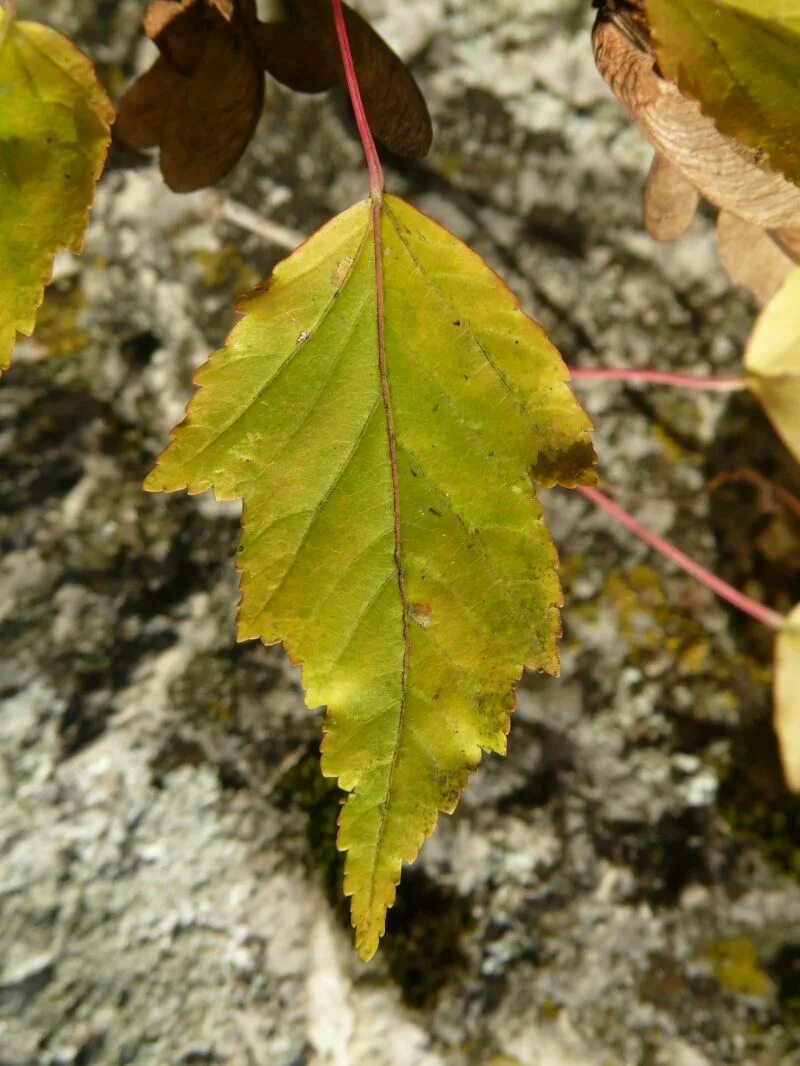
<point x="262" y="389"/>
<point x="518" y="400"/>
<point x="318" y="507"/>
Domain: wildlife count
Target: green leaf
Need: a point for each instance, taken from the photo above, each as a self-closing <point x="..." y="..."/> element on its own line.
<point x="54" y="135"/>
<point x="772" y="360"/>
<point x="385" y="429"/>
<point x="741" y="60"/>
<point x="787" y="697"/>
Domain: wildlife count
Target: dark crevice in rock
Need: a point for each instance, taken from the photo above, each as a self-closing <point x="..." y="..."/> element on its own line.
<point x="423" y="946"/>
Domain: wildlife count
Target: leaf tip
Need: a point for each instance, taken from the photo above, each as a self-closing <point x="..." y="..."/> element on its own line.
<point x="367" y="941"/>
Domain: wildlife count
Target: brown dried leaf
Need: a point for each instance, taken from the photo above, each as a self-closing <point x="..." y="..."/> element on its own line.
<point x="160" y="14"/>
<point x="670" y="202"/>
<point x="295" y="54"/>
<point x="302" y="53"/>
<point x="739" y="60"/>
<point x="788" y="240"/>
<point x="772" y="362"/>
<point x="725" y="172"/>
<point x="178" y="29"/>
<point x="201" y="100"/>
<point x="750" y="257"/>
<point x="225" y="8"/>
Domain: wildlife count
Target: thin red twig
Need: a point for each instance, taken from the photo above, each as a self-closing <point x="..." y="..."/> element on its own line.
<point x="721" y="588"/>
<point x="364" y="132"/>
<point x="659" y="377"/>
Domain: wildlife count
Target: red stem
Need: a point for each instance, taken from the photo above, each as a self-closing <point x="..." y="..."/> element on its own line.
<point x="727" y="592"/>
<point x="660" y="377"/>
<point x="364" y="132"/>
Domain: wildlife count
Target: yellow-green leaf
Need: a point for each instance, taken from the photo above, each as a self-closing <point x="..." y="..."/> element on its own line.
<point x="787" y="697"/>
<point x="385" y="428"/>
<point x="772" y="360"/>
<point x="54" y="135"/>
<point x="740" y="59"/>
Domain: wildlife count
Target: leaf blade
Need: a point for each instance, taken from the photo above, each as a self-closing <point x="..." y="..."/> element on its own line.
<point x="391" y="537"/>
<point x="772" y="361"/>
<point x="787" y="700"/>
<point x="54" y="136"/>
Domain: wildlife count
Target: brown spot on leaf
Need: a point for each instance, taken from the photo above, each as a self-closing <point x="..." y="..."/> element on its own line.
<point x="570" y="466"/>
<point x="340" y="273"/>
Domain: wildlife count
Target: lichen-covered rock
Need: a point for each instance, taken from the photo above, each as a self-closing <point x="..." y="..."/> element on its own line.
<point x="623" y="888"/>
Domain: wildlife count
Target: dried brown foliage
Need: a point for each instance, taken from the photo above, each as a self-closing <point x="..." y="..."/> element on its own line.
<point x="302" y="53"/>
<point x="201" y="100"/>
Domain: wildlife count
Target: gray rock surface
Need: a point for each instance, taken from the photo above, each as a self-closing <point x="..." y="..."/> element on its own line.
<point x="623" y="888"/>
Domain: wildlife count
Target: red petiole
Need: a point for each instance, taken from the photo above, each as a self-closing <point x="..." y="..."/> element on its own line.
<point x="721" y="588"/>
<point x="376" y="182"/>
<point x="659" y="377"/>
<point x="367" y="140"/>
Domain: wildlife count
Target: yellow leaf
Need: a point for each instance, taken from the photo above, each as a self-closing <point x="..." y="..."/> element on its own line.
<point x="384" y="410"/>
<point x="772" y="360"/>
<point x="787" y="697"/>
<point x="54" y="135"/>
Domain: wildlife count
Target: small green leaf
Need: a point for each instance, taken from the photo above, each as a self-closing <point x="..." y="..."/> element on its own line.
<point x="787" y="697"/>
<point x="772" y="360"/>
<point x="54" y="135"/>
<point x="740" y="59"/>
<point x="385" y="426"/>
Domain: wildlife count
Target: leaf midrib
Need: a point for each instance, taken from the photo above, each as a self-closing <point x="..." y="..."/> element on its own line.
<point x="376" y="215"/>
